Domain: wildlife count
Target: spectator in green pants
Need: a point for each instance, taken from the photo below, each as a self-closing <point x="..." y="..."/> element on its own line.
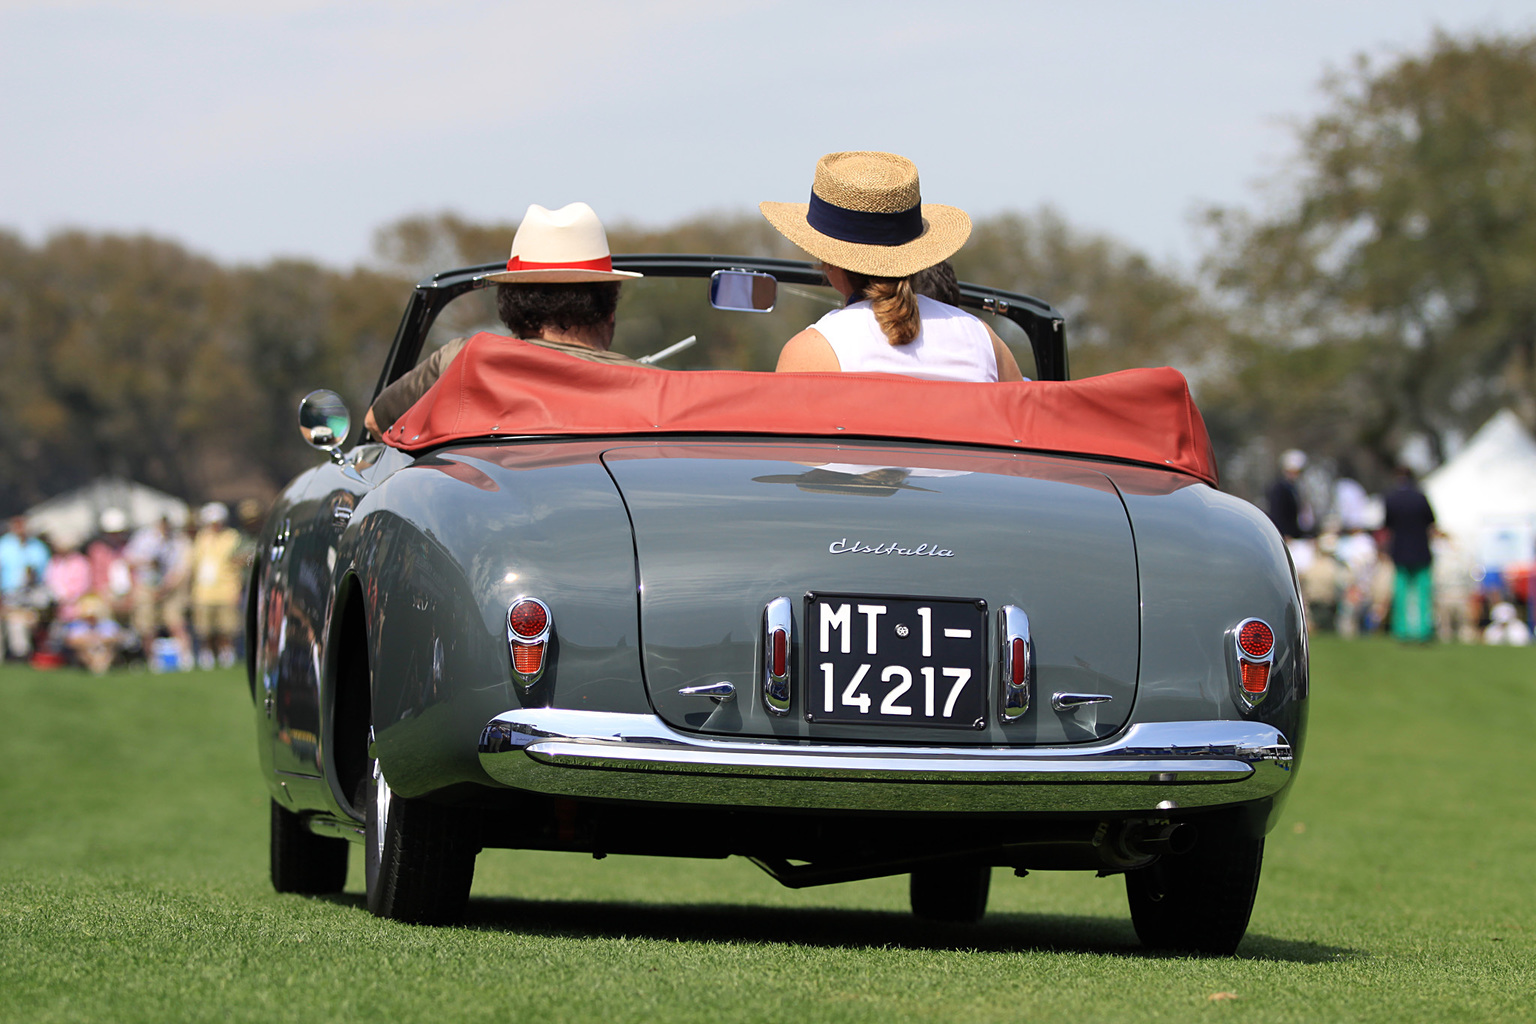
<point x="1411" y="521"/>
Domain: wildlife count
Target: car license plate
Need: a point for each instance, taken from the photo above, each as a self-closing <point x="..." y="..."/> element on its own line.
<point x="896" y="660"/>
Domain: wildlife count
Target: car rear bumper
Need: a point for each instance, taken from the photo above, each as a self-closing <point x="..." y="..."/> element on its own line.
<point x="1151" y="767"/>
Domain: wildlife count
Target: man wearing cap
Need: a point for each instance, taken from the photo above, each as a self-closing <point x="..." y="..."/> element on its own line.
<point x="867" y="223"/>
<point x="1286" y="510"/>
<point x="559" y="291"/>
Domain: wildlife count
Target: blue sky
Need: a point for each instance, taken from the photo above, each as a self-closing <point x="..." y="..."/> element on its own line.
<point x="297" y="127"/>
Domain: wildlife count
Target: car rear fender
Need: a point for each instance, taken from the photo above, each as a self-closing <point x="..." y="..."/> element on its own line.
<point x="442" y="549"/>
<point x="1207" y="561"/>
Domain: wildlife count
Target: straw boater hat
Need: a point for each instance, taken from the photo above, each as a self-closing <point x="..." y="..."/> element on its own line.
<point x="564" y="246"/>
<point x="866" y="215"/>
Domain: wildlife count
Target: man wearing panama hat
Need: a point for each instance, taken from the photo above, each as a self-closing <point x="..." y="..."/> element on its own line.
<point x="559" y="291"/>
<point x="867" y="223"/>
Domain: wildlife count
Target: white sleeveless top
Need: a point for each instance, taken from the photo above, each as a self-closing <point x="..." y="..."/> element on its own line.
<point x="950" y="345"/>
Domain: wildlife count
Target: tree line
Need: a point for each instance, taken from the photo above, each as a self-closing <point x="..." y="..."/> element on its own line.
<point x="1386" y="292"/>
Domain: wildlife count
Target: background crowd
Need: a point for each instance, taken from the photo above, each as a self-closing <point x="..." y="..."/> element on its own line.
<point x="167" y="594"/>
<point x="1381" y="564"/>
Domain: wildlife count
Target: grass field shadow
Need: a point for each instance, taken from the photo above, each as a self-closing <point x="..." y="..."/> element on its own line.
<point x="836" y="927"/>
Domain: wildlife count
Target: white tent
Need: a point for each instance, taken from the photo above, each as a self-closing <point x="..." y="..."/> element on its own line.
<point x="74" y="517"/>
<point x="1485" y="496"/>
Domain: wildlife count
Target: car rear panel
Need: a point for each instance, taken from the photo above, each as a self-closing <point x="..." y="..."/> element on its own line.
<point x="723" y="529"/>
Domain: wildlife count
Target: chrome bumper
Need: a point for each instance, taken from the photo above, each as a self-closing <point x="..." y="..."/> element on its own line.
<point x="1149" y="767"/>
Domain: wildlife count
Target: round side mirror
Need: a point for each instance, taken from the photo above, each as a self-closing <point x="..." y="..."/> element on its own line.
<point x="324" y="421"/>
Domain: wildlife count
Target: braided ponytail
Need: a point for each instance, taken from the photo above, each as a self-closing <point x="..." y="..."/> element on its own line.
<point x="894" y="304"/>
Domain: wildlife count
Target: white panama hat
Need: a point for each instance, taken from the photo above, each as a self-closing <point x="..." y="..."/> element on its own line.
<point x="564" y="246"/>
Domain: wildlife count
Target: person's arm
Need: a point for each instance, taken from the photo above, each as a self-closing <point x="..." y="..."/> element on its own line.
<point x="808" y="352"/>
<point x="394" y="400"/>
<point x="1007" y="366"/>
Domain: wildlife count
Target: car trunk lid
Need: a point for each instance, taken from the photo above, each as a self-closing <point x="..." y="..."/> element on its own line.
<point x="723" y="529"/>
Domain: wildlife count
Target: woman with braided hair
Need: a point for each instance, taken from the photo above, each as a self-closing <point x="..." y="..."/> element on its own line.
<point x="867" y="224"/>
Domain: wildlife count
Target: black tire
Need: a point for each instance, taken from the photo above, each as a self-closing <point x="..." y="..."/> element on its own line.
<point x="954" y="893"/>
<point x="302" y="861"/>
<point x="419" y="860"/>
<point x="1198" y="902"/>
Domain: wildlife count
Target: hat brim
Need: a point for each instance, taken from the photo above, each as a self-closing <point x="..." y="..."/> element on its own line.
<point x="559" y="276"/>
<point x="945" y="230"/>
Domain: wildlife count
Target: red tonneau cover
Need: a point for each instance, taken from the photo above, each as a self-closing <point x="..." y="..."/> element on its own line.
<point x="500" y="386"/>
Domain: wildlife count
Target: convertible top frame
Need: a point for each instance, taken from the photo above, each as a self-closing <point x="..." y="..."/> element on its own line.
<point x="1045" y="327"/>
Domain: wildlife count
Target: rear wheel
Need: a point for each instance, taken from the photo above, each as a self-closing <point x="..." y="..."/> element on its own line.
<point x="420" y="861"/>
<point x="956" y="893"/>
<point x="302" y="861"/>
<point x="1199" y="901"/>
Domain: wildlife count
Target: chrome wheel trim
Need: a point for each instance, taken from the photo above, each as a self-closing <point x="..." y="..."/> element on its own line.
<point x="381" y="798"/>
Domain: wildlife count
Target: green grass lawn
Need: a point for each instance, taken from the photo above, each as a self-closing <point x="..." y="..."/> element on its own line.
<point x="133" y="887"/>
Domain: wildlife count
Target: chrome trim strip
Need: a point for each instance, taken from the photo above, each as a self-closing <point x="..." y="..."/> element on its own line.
<point x="1072" y="701"/>
<point x="639" y="757"/>
<point x="1013" y="624"/>
<point x="778" y="693"/>
<point x="719" y="692"/>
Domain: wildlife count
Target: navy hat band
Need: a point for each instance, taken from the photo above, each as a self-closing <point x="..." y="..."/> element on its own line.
<point x="863" y="227"/>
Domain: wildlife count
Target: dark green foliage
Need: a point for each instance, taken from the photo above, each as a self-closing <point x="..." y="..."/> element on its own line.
<point x="1399" y="267"/>
<point x="1122" y="310"/>
<point x="133" y="356"/>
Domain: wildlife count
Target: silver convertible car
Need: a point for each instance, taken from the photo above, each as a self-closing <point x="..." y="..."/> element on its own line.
<point x="844" y="625"/>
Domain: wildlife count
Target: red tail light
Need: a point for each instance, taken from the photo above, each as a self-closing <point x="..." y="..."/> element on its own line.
<point x="1019" y="663"/>
<point x="528" y="659"/>
<point x="528" y="623"/>
<point x="528" y="619"/>
<point x="780" y="652"/>
<point x="1254" y="641"/>
<point x="1255" y="677"/>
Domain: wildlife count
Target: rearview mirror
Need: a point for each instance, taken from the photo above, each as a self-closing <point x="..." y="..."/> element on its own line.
<point x="325" y="422"/>
<point x="744" y="290"/>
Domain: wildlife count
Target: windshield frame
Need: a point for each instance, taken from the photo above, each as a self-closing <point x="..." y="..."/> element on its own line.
<point x="1042" y="323"/>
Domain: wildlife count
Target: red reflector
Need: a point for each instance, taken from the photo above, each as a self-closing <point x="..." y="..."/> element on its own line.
<point x="1256" y="639"/>
<point x="528" y="619"/>
<point x="1019" y="661"/>
<point x="527" y="658"/>
<point x="780" y="652"/>
<point x="1255" y="677"/>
